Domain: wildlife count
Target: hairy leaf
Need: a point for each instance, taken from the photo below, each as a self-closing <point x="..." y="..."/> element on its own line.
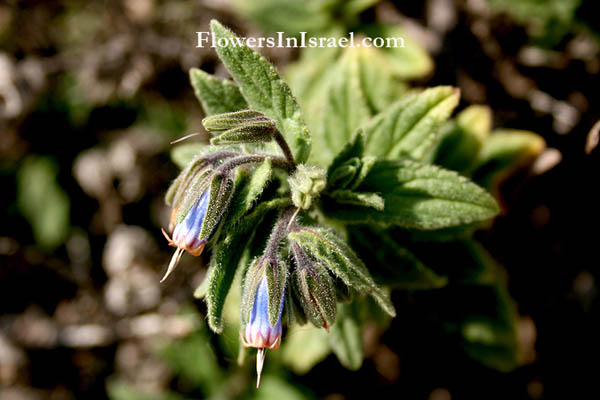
<point x="325" y="246"/>
<point x="304" y="347"/>
<point x="410" y="126"/>
<point x="372" y="200"/>
<point x="408" y="62"/>
<point x="419" y="196"/>
<point x="462" y="138"/>
<point x="345" y="337"/>
<point x="345" y="108"/>
<point x="216" y="95"/>
<point x="391" y="263"/>
<point x="263" y="89"/>
<point x="504" y="152"/>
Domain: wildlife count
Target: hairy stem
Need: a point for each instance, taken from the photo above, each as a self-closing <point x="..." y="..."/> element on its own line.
<point x="285" y="148"/>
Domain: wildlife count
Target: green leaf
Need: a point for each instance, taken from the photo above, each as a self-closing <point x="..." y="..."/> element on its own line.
<point x="462" y="138"/>
<point x="378" y="82"/>
<point x="304" y="347"/>
<point x="193" y="359"/>
<point x="345" y="337"/>
<point x="264" y="90"/>
<point x="216" y="95"/>
<point x="410" y="126"/>
<point x="391" y="263"/>
<point x="42" y="201"/>
<point x="120" y="390"/>
<point x="487" y="328"/>
<point x="504" y="152"/>
<point x="372" y="200"/>
<point x="491" y="337"/>
<point x="226" y="258"/>
<point x="418" y="196"/>
<point x="275" y="388"/>
<point x="354" y="7"/>
<point x="408" y="62"/>
<point x="477" y="265"/>
<point x="289" y="16"/>
<point x="309" y="78"/>
<point x="345" y="108"/>
<point x="340" y="259"/>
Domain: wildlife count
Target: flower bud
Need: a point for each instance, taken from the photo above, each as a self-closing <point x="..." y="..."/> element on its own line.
<point x="197" y="214"/>
<point x="259" y="332"/>
<point x="306" y="183"/>
<point x="262" y="306"/>
<point x="244" y="126"/>
<point x="225" y="121"/>
<point x="316" y="292"/>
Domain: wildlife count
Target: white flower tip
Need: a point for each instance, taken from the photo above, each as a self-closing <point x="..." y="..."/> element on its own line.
<point x="260" y="360"/>
<point x="174" y="261"/>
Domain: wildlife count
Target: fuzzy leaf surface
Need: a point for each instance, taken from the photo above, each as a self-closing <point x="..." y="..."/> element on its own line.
<point x="340" y="259"/>
<point x="264" y="90"/>
<point x="420" y="196"/>
<point x="410" y="126"/>
<point x="216" y="95"/>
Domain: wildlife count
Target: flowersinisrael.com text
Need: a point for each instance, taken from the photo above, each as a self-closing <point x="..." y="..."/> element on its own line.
<point x="205" y="39"/>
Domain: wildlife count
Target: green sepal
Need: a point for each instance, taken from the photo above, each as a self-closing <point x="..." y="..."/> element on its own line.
<point x="326" y="247"/>
<point x="256" y="132"/>
<point x="221" y="189"/>
<point x="276" y="280"/>
<point x="226" y="121"/>
<point x="216" y="95"/>
<point x="252" y="278"/>
<point x="293" y="308"/>
<point x="188" y="194"/>
<point x="178" y="187"/>
<point x="248" y="188"/>
<point x="316" y="292"/>
<point x="264" y="90"/>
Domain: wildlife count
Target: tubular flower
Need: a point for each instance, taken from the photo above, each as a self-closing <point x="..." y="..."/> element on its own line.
<point x="258" y="331"/>
<point x="186" y="235"/>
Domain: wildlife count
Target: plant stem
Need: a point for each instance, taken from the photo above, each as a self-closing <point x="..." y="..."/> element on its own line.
<point x="278" y="233"/>
<point x="285" y="148"/>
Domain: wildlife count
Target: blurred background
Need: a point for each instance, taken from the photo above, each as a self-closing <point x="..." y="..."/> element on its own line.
<point x="91" y="94"/>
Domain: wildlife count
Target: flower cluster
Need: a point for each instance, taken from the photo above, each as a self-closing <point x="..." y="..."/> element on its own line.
<point x="288" y="273"/>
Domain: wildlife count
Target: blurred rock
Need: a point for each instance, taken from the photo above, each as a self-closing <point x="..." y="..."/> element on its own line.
<point x="33" y="328"/>
<point x="89" y="335"/>
<point x="132" y="286"/>
<point x="12" y="358"/>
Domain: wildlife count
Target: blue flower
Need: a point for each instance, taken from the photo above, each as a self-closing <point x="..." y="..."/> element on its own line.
<point x="186" y="235"/>
<point x="258" y="331"/>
